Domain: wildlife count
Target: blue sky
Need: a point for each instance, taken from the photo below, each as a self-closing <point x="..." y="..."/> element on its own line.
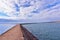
<point x="44" y="9"/>
<point x="27" y="11"/>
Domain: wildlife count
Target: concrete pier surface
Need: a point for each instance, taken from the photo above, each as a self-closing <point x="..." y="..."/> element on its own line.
<point x="18" y="33"/>
<point x="13" y="34"/>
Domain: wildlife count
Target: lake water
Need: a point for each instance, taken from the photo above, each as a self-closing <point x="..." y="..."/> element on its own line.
<point x="45" y="31"/>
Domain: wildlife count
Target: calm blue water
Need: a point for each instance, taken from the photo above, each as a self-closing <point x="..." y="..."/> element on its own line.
<point x="45" y="31"/>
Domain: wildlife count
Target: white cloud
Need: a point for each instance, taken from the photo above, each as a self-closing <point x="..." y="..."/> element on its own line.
<point x="8" y="7"/>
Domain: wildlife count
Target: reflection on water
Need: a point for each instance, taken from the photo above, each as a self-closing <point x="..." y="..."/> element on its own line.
<point x="45" y="31"/>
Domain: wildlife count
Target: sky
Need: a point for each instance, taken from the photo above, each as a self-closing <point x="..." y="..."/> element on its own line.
<point x="27" y="11"/>
<point x="30" y="9"/>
